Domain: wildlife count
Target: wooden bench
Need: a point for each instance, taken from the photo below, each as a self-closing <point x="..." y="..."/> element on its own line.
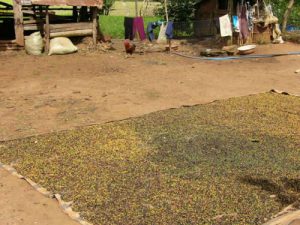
<point x="71" y="29"/>
<point x="9" y="45"/>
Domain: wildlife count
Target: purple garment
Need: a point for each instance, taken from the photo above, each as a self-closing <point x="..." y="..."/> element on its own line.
<point x="138" y="27"/>
<point x="244" y="29"/>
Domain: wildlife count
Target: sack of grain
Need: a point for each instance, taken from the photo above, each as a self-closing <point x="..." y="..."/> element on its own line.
<point x="61" y="46"/>
<point x="34" y="44"/>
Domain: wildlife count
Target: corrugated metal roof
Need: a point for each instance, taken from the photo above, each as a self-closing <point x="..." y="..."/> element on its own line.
<point x="96" y="3"/>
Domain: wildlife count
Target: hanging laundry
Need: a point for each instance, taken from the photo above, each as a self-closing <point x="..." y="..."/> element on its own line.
<point x="162" y="37"/>
<point x="225" y="26"/>
<point x="244" y="30"/>
<point x="169" y="30"/>
<point x="150" y="29"/>
<point x="128" y="24"/>
<point x="236" y="23"/>
<point x="138" y="27"/>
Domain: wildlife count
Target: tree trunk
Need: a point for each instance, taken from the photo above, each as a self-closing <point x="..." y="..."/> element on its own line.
<point x="287" y="14"/>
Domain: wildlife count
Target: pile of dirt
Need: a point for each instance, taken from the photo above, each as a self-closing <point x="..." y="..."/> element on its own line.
<point x="234" y="161"/>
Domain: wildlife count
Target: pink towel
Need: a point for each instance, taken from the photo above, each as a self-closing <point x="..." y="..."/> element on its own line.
<point x="138" y="27"/>
<point x="244" y="30"/>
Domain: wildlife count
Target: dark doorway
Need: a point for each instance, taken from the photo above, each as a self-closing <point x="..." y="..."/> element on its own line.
<point x="223" y="4"/>
<point x="7" y="31"/>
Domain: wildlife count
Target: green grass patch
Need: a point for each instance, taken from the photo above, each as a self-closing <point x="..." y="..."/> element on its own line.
<point x="181" y="166"/>
<point x="122" y="8"/>
<point x="7" y="1"/>
<point x="114" y="25"/>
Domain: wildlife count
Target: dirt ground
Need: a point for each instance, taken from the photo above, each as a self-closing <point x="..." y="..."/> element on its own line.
<point x="21" y="205"/>
<point x="45" y="94"/>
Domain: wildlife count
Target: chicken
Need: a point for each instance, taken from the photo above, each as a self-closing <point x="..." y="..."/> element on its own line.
<point x="129" y="47"/>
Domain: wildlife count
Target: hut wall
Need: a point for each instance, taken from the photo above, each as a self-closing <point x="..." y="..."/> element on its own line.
<point x="205" y="14"/>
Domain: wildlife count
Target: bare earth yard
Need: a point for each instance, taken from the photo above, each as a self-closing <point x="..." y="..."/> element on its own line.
<point x="45" y="94"/>
<point x="233" y="161"/>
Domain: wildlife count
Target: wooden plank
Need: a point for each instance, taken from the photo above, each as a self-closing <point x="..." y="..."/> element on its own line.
<point x="69" y="29"/>
<point x="95" y="3"/>
<point x="8" y="42"/>
<point x="8" y="45"/>
<point x="18" y="18"/>
<point x="31" y="12"/>
<point x="61" y="9"/>
<point x="72" y="33"/>
<point x="6" y="48"/>
<point x="33" y="27"/>
<point x="33" y="21"/>
<point x="82" y="25"/>
<point x="26" y="2"/>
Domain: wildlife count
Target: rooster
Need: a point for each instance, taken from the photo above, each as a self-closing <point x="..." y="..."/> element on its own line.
<point x="129" y="47"/>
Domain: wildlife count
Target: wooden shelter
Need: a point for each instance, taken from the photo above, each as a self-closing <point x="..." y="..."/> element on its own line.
<point x="209" y="11"/>
<point x="43" y="18"/>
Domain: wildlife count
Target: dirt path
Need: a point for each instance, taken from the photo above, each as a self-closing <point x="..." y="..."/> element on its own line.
<point x="45" y="94"/>
<point x="22" y="205"/>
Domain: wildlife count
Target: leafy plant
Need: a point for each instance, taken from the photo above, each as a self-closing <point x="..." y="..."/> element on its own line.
<point x="179" y="10"/>
<point x="279" y="8"/>
<point x="107" y="6"/>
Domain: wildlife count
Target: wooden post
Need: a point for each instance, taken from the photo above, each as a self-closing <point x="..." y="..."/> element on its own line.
<point x="167" y="18"/>
<point x="257" y="5"/>
<point x="95" y="25"/>
<point x="166" y="11"/>
<point x="40" y="11"/>
<point x="18" y="19"/>
<point x="83" y="14"/>
<point x="230" y="9"/>
<point x="75" y="14"/>
<point x="136" y="8"/>
<point x="47" y="31"/>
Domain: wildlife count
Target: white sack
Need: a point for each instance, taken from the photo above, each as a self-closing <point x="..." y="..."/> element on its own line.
<point x="61" y="46"/>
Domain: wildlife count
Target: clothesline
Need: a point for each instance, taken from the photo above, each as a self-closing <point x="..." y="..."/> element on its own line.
<point x="242" y="22"/>
<point x="135" y="25"/>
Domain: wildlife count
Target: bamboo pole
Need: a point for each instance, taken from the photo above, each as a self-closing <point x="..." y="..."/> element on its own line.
<point x="95" y="25"/>
<point x="136" y="8"/>
<point x="167" y="18"/>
